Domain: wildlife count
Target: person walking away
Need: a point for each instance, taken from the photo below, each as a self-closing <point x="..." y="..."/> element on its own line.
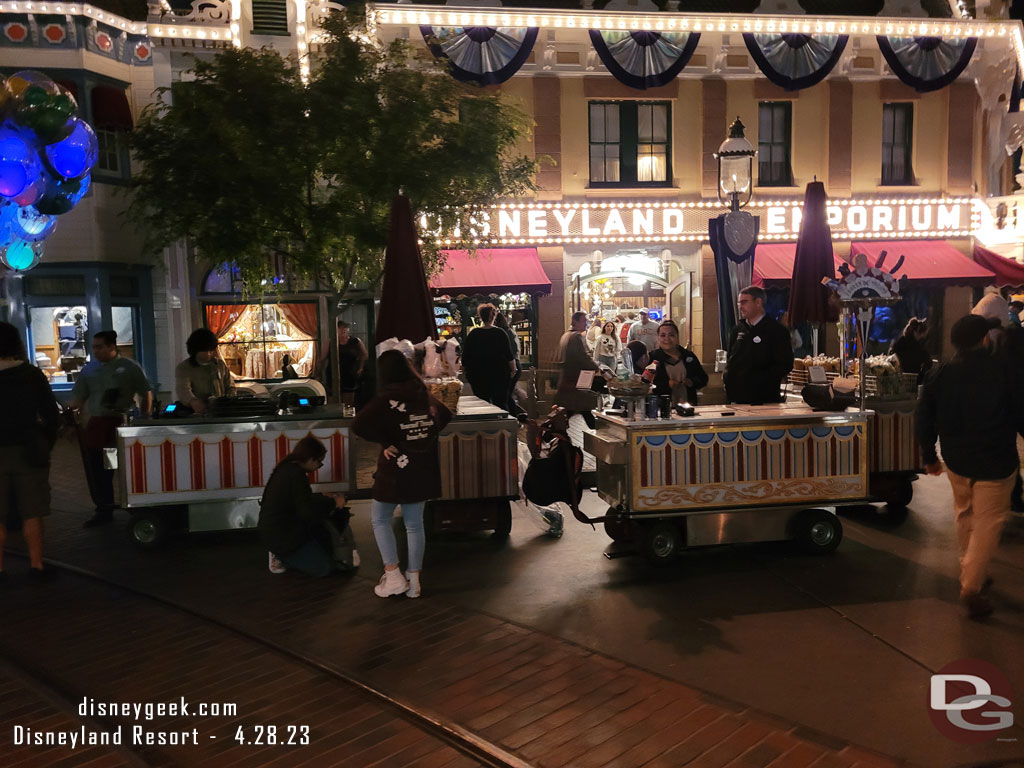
<point x="910" y="350"/>
<point x="607" y="347"/>
<point x="646" y="330"/>
<point x="300" y="528"/>
<point x="202" y="375"/>
<point x="1008" y="343"/>
<point x="512" y="405"/>
<point x="106" y="387"/>
<point x="28" y="429"/>
<point x="487" y="359"/>
<point x="352" y="357"/>
<point x="405" y="419"/>
<point x="679" y="373"/>
<point x="973" y="406"/>
<point x="760" y="354"/>
<point x="573" y="355"/>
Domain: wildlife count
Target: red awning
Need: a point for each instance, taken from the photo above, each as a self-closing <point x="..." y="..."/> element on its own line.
<point x="492" y="270"/>
<point x="1008" y="271"/>
<point x="110" y="110"/>
<point x="926" y="260"/>
<point x="773" y="263"/>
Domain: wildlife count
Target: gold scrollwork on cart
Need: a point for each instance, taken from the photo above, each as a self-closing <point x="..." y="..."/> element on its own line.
<point x="732" y="494"/>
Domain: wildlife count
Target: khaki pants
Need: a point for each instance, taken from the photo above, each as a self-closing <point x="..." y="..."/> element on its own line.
<point x="982" y="508"/>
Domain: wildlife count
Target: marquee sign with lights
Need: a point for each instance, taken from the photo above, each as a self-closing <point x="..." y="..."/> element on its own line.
<point x="658" y="222"/>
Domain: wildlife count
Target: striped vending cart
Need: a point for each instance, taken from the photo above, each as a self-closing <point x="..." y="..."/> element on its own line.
<point x="895" y="456"/>
<point x="209" y="473"/>
<point x="731" y="474"/>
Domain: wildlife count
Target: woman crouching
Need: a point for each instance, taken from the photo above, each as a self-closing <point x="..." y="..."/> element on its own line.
<point x="405" y="419"/>
<point x="296" y="523"/>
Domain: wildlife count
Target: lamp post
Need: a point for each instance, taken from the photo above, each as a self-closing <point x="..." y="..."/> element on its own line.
<point x="733" y="235"/>
<point x="735" y="167"/>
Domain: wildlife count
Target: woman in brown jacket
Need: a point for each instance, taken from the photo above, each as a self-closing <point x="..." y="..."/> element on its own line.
<point x="406" y="420"/>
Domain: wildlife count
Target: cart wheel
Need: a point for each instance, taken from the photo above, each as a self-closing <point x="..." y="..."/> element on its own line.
<point x="619" y="528"/>
<point x="818" y="531"/>
<point x="661" y="542"/>
<point x="503" y="519"/>
<point x="148" y="529"/>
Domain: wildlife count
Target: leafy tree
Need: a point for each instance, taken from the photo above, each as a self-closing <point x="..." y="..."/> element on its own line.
<point x="257" y="168"/>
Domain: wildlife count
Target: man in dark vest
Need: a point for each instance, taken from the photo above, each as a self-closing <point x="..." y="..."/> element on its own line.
<point x="760" y="354"/>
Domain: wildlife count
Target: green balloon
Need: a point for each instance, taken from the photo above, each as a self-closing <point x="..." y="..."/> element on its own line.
<point x="63" y="105"/>
<point x="49" y="124"/>
<point x="34" y="96"/>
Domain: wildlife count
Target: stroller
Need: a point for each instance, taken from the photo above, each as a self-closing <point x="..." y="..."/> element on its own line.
<point x="551" y="467"/>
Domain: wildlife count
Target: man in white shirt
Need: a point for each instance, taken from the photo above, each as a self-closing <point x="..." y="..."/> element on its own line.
<point x="646" y="330"/>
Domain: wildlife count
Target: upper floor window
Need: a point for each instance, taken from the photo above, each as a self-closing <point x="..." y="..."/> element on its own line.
<point x="629" y="143"/>
<point x="897" y="137"/>
<point x="108" y="161"/>
<point x="774" y="144"/>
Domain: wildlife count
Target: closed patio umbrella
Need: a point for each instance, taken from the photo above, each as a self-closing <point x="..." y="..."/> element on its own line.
<point x="406" y="310"/>
<point x="809" y="300"/>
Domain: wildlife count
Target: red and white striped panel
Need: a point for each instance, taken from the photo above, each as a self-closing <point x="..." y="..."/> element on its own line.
<point x="171" y="469"/>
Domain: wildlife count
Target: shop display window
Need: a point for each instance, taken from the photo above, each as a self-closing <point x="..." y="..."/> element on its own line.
<point x="257" y="341"/>
<point x="456" y="316"/>
<point x="59" y="341"/>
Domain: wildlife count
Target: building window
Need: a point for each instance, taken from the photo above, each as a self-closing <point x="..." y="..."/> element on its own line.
<point x="108" y="161"/>
<point x="58" y="341"/>
<point x="897" y="136"/>
<point x="774" y="139"/>
<point x="629" y="144"/>
<point x="270" y="17"/>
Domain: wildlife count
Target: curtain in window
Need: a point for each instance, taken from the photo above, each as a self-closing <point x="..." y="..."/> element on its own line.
<point x="794" y="61"/>
<point x="220" y="317"/>
<point x="481" y="55"/>
<point x="304" y="317"/>
<point x="927" y="63"/>
<point x="644" y="59"/>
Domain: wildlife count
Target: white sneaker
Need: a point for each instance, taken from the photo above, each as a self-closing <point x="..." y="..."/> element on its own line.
<point x="275" y="565"/>
<point x="391" y="583"/>
<point x="414" y="584"/>
<point x="355" y="558"/>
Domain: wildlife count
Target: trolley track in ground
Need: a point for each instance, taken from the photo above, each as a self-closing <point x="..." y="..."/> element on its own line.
<point x="20" y="668"/>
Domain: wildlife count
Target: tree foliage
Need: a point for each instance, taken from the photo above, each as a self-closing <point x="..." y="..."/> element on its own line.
<point x="256" y="168"/>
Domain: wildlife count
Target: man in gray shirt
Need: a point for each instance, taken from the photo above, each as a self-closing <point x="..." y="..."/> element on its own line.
<point x="107" y="387"/>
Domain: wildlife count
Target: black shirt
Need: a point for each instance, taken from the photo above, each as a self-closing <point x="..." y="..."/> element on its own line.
<point x="485" y="357"/>
<point x="913" y="356"/>
<point x="28" y="403"/>
<point x="694" y="372"/>
<point x="972" y="404"/>
<point x="760" y="356"/>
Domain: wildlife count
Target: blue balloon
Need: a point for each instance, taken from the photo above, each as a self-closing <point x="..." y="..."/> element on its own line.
<point x="7" y="213"/>
<point x="32" y="226"/>
<point x="74" y="156"/>
<point x="61" y="196"/>
<point x="20" y="255"/>
<point x="19" y="164"/>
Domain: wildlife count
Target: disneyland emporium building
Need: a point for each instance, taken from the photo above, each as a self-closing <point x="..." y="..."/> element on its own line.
<point x="908" y="112"/>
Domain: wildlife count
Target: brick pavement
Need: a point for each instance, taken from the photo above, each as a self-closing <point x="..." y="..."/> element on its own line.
<point x="550" y="702"/>
<point x="113" y="647"/>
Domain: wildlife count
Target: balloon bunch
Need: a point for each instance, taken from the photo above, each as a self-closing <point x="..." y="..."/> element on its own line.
<point x="46" y="153"/>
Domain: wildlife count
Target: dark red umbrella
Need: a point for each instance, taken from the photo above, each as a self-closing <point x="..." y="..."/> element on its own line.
<point x="808" y="298"/>
<point x="406" y="311"/>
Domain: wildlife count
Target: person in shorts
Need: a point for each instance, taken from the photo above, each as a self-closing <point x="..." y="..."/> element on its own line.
<point x="29" y="421"/>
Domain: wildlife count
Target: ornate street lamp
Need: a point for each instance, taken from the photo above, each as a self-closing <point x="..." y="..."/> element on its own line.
<point x="735" y="167"/>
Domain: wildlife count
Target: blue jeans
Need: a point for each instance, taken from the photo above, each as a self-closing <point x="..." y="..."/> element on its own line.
<point x="312" y="559"/>
<point x="412" y="514"/>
